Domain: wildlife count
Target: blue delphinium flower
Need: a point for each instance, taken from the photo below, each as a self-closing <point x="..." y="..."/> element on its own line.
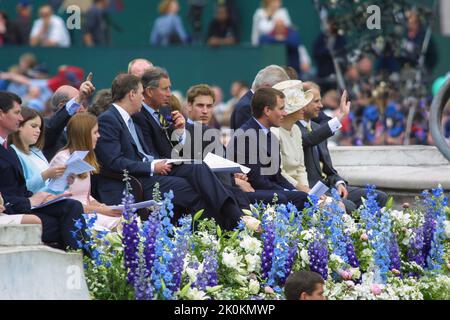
<point x="435" y="258"/>
<point x="162" y="278"/>
<point x="209" y="277"/>
<point x="268" y="237"/>
<point x="394" y="254"/>
<point x="378" y="224"/>
<point x="415" y="250"/>
<point x="335" y="224"/>
<point x="180" y="251"/>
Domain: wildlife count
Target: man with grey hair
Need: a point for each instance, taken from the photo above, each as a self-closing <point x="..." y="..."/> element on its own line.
<point x="266" y="78"/>
<point x="155" y="119"/>
<point x="138" y="66"/>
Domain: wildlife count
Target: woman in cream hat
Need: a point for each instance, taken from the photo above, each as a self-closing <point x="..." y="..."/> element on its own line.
<point x="289" y="134"/>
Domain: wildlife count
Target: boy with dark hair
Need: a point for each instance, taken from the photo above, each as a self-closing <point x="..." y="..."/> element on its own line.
<point x="304" y="285"/>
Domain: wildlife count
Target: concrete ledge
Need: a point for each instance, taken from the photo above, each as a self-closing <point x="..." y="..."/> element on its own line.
<point x="387" y="156"/>
<point x="398" y="177"/>
<point x="41" y="273"/>
<point x="20" y="235"/>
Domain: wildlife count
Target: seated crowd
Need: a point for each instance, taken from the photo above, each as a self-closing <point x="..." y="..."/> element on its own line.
<point x="282" y="138"/>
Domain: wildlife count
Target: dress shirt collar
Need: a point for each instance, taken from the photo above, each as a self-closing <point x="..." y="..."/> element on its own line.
<point x="2" y="140"/>
<point x="151" y="111"/>
<point x="124" y="114"/>
<point x="190" y="121"/>
<point x="305" y="123"/>
<point x="265" y="130"/>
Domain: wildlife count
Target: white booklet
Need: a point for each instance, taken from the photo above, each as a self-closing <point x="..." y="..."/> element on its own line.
<point x="177" y="161"/>
<point x="75" y="165"/>
<point x="218" y="164"/>
<point x="138" y="205"/>
<point x="319" y="189"/>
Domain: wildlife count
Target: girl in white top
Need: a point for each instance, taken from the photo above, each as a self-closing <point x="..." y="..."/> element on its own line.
<point x="265" y="18"/>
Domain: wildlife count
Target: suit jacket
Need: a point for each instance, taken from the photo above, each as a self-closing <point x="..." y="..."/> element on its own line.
<point x="151" y="129"/>
<point x="243" y="111"/>
<point x="313" y="159"/>
<point x="12" y="183"/>
<point x="321" y="134"/>
<point x="116" y="151"/>
<point x="55" y="137"/>
<point x="257" y="180"/>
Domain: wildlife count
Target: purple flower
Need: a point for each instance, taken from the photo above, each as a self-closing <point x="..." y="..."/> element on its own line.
<point x="318" y="257"/>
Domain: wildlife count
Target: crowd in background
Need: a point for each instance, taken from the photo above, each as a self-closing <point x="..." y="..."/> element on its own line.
<point x="380" y="109"/>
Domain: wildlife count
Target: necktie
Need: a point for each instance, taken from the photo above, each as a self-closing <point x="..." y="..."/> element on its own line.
<point x="135" y="137"/>
<point x="164" y="125"/>
<point x="162" y="121"/>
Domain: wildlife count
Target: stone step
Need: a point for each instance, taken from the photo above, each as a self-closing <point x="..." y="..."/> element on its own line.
<point x="29" y="270"/>
<point x="408" y="169"/>
<point x="387" y="156"/>
<point x="20" y="235"/>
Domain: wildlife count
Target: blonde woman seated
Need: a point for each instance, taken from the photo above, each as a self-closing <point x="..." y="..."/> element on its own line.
<point x="27" y="142"/>
<point x="16" y="218"/>
<point x="290" y="137"/>
<point x="82" y="135"/>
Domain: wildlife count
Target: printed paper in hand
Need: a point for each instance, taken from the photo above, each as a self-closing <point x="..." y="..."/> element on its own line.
<point x="319" y="189"/>
<point x="75" y="165"/>
<point x="217" y="164"/>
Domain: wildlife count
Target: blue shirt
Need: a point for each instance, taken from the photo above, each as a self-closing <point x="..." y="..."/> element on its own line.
<point x="167" y="27"/>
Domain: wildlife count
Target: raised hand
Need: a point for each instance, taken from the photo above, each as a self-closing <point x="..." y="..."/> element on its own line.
<point x="344" y="106"/>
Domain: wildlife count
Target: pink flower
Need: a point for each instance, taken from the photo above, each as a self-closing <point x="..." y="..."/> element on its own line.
<point x="376" y="290"/>
<point x="364" y="237"/>
<point x="268" y="290"/>
<point x="346" y="275"/>
<point x="252" y="223"/>
<point x="396" y="272"/>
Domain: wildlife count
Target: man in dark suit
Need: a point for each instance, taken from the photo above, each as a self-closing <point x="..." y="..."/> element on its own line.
<point x="254" y="146"/>
<point x="317" y="156"/>
<point x="266" y="78"/>
<point x="67" y="101"/>
<point x="203" y="139"/>
<point x="58" y="219"/>
<point x="122" y="146"/>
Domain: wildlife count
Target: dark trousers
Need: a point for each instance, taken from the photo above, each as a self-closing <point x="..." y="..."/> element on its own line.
<point x="297" y="198"/>
<point x="195" y="187"/>
<point x="353" y="201"/>
<point x="58" y="220"/>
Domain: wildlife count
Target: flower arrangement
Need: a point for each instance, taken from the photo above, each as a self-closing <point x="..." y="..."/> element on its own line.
<point x="377" y="253"/>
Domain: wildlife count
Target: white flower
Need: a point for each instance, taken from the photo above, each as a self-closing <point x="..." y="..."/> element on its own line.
<point x="447" y="229"/>
<point x="253" y="262"/>
<point x="231" y="259"/>
<point x="253" y="287"/>
<point x="251" y="244"/>
<point x="304" y="255"/>
<point x="195" y="294"/>
<point x="336" y="258"/>
<point x="306" y="235"/>
<point x="192" y="273"/>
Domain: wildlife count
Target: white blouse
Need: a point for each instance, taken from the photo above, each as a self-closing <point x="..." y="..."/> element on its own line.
<point x="262" y="24"/>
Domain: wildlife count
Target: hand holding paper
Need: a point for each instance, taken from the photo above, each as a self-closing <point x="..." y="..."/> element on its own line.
<point x="75" y="165"/>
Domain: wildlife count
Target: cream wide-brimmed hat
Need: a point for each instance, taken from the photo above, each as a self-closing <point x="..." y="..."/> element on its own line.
<point x="296" y="97"/>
